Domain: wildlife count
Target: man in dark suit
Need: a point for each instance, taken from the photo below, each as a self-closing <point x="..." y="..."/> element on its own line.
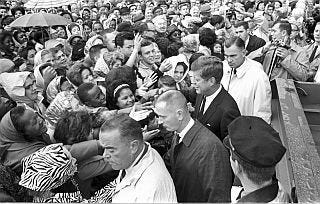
<point x="252" y="42"/>
<point x="214" y="108"/>
<point x="199" y="163"/>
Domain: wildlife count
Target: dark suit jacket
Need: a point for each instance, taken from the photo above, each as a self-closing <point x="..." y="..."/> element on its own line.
<point x="200" y="167"/>
<point x="254" y="43"/>
<point x="220" y="113"/>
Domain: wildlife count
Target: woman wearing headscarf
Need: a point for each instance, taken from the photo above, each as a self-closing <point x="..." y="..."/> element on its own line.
<point x="22" y="132"/>
<point x="44" y="74"/>
<point x="57" y="85"/>
<point x="21" y="87"/>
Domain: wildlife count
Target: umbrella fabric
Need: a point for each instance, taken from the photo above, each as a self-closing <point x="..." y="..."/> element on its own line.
<point x="37" y="4"/>
<point x="39" y="19"/>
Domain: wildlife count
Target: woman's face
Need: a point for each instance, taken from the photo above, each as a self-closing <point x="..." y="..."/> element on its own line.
<point x="18" y="14"/>
<point x="86" y="76"/>
<point x="217" y="48"/>
<point x="87" y="30"/>
<point x="125" y="99"/>
<point x="117" y="64"/>
<point x="30" y="88"/>
<point x="75" y="30"/>
<point x="261" y="6"/>
<point x="113" y="24"/>
<point x="79" y="21"/>
<point x="176" y="36"/>
<point x="67" y="16"/>
<point x="22" y="38"/>
<point x="9" y="43"/>
<point x="34" y="124"/>
<point x="97" y="28"/>
<point x="148" y="14"/>
<point x="178" y="73"/>
<point x="30" y="56"/>
<point x="295" y="31"/>
<point x="61" y="32"/>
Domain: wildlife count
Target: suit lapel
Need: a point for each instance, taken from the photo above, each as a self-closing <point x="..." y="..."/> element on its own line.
<point x="213" y="106"/>
<point x="198" y="103"/>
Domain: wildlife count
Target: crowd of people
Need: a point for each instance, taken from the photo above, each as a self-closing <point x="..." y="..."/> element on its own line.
<point x="149" y="101"/>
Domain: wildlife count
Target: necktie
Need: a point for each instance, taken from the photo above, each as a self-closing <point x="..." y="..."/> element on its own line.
<point x="177" y="139"/>
<point x="313" y="54"/>
<point x="123" y="174"/>
<point x="202" y="106"/>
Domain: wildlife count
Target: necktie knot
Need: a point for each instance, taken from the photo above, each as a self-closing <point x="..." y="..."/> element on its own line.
<point x="177" y="139"/>
<point x="123" y="174"/>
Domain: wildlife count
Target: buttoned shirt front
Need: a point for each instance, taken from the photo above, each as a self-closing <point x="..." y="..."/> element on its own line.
<point x="250" y="88"/>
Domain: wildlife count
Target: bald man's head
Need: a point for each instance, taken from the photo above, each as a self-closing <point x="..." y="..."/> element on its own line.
<point x="171" y="108"/>
<point x="173" y="100"/>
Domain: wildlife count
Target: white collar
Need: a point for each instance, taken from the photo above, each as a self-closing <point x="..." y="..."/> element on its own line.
<point x="186" y="129"/>
<point x="214" y="95"/>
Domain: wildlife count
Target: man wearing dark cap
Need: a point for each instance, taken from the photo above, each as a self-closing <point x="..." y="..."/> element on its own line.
<point x="125" y="14"/>
<point x="255" y="149"/>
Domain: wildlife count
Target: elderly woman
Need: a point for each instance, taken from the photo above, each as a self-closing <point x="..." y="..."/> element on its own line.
<point x="57" y="85"/>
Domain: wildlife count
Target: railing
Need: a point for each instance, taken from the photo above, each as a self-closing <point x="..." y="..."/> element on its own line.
<point x="299" y="170"/>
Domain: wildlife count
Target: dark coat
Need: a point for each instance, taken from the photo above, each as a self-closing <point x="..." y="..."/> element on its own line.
<point x="200" y="167"/>
<point x="220" y="113"/>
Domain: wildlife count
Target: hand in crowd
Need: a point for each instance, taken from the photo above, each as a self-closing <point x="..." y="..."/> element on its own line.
<point x="138" y="115"/>
<point x="165" y="66"/>
<point x="48" y="74"/>
<point x="150" y="80"/>
<point x="143" y="106"/>
<point x="148" y="135"/>
<point x="137" y="42"/>
<point x="282" y="52"/>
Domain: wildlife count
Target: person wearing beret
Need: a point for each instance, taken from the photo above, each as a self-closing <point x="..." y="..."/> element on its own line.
<point x="255" y="150"/>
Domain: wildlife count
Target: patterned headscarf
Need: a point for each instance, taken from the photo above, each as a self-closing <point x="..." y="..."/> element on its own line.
<point x="47" y="168"/>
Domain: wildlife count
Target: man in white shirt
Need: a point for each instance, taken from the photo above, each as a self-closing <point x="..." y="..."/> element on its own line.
<point x="143" y="177"/>
<point x="246" y="81"/>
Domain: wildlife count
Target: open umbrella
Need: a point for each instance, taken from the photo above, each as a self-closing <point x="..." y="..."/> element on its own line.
<point x="39" y="19"/>
<point x="37" y="4"/>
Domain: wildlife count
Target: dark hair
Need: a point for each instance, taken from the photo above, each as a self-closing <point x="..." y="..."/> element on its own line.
<point x="237" y="41"/>
<point x="209" y="67"/>
<point x="284" y="25"/>
<point x="145" y="43"/>
<point x="83" y="90"/>
<point x="129" y="128"/>
<point x="67" y="13"/>
<point x="207" y="37"/>
<point x="194" y="57"/>
<point x="254" y="174"/>
<point x="4" y="35"/>
<point x="216" y="19"/>
<point x="278" y="2"/>
<point x="72" y="25"/>
<point x="173" y="49"/>
<point x="18" y="8"/>
<point x="115" y="95"/>
<point x="97" y="22"/>
<point x="242" y="23"/>
<point x="122" y="36"/>
<point x="73" y="127"/>
<point x="39" y="35"/>
<point x="95" y="50"/>
<point x="74" y="73"/>
<point x="125" y="27"/>
<point x="185" y="67"/>
<point x="167" y="80"/>
<point x="23" y="51"/>
<point x="15" y="114"/>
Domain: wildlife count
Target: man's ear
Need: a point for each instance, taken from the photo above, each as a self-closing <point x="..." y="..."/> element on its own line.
<point x="134" y="146"/>
<point x="212" y="81"/>
<point x="179" y="113"/>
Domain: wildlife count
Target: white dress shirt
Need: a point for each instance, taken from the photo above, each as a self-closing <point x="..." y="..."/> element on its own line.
<point x="186" y="129"/>
<point x="210" y="98"/>
<point x="250" y="88"/>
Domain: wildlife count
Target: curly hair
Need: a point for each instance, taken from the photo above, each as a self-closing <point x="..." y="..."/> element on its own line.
<point x="73" y="127"/>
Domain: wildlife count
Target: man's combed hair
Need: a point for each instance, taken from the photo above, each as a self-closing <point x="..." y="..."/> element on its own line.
<point x="237" y="41"/>
<point x="242" y="23"/>
<point x="284" y="25"/>
<point x="122" y="36"/>
<point x="83" y="90"/>
<point x="209" y="67"/>
<point x="129" y="128"/>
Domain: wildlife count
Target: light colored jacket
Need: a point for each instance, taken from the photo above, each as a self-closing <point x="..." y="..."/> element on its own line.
<point x="147" y="182"/>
